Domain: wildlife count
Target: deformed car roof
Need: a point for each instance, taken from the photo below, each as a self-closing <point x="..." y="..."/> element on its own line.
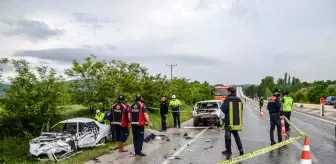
<point x="78" y="119"/>
<point x="209" y="101"/>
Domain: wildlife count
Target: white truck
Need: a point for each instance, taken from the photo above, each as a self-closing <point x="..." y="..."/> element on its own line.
<point x="208" y="112"/>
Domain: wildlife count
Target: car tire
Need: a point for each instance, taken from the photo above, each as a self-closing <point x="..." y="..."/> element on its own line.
<point x="218" y="123"/>
<point x="103" y="140"/>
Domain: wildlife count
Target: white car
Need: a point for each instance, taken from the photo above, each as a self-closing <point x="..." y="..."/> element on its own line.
<point x="208" y="112"/>
<point x="65" y="138"/>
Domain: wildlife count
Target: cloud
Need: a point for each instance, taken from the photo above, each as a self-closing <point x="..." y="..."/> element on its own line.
<point x="232" y="41"/>
<point x="33" y="30"/>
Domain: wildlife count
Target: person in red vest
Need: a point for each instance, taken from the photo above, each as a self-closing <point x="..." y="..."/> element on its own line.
<point x="120" y="122"/>
<point x="138" y="116"/>
<point x="322" y="102"/>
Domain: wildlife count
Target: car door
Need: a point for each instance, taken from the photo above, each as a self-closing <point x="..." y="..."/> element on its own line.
<point x="86" y="137"/>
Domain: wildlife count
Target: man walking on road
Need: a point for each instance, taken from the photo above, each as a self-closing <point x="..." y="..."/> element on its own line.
<point x="138" y="116"/>
<point x="120" y="122"/>
<point x="322" y="102"/>
<point x="273" y="107"/>
<point x="232" y="107"/>
<point x="163" y="112"/>
<point x="175" y="104"/>
<point x="261" y="103"/>
<point x="287" y="108"/>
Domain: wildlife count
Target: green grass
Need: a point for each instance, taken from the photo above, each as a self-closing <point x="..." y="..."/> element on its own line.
<point x="15" y="150"/>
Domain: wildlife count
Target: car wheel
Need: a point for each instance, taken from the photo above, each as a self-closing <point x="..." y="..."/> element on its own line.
<point x="218" y="123"/>
<point x="103" y="140"/>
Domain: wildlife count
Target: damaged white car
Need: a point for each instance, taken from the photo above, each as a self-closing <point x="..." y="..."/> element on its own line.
<point x="65" y="138"/>
<point x="208" y="112"/>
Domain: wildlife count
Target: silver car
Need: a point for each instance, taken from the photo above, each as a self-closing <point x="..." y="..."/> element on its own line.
<point x="208" y="113"/>
<point x="65" y="138"/>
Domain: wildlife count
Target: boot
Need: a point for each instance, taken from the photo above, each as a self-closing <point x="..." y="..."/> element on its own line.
<point x="121" y="147"/>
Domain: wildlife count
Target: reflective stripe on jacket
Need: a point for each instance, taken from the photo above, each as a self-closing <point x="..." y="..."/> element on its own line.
<point x="288" y="104"/>
<point x="175" y="105"/>
<point x="100" y="117"/>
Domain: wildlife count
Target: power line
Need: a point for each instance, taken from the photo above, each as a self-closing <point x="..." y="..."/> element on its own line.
<point x="171" y="69"/>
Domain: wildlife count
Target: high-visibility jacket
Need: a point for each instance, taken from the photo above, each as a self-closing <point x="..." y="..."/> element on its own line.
<point x="120" y="114"/>
<point x="137" y="113"/>
<point x="100" y="117"/>
<point x="288" y="104"/>
<point x="232" y="107"/>
<point x="175" y="105"/>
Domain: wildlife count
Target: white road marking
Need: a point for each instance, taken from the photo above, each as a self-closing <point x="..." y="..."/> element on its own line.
<point x="179" y="151"/>
<point x="315" y="117"/>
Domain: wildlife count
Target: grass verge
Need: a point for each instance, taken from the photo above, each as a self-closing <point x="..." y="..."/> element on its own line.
<point x="14" y="150"/>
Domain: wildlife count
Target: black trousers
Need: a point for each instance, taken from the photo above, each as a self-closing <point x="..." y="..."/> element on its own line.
<point x="176" y="117"/>
<point x="163" y="121"/>
<point x="113" y="132"/>
<point x="275" y="121"/>
<point x="228" y="133"/>
<point x="138" y="138"/>
<point x="287" y="115"/>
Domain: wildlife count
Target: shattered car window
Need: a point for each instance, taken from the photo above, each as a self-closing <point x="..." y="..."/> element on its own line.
<point x="207" y="105"/>
<point x="64" y="127"/>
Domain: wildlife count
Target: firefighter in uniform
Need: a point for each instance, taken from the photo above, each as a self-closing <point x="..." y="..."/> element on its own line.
<point x="100" y="117"/>
<point x="232" y="107"/>
<point x="273" y="107"/>
<point x="120" y="122"/>
<point x="287" y="108"/>
<point x="138" y="116"/>
<point x="175" y="105"/>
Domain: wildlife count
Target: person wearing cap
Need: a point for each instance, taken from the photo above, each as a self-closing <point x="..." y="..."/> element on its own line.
<point x="100" y="117"/>
<point x="120" y="122"/>
<point x="273" y="107"/>
<point x="163" y="112"/>
<point x="138" y="116"/>
<point x="287" y="108"/>
<point x="175" y="105"/>
<point x="232" y="107"/>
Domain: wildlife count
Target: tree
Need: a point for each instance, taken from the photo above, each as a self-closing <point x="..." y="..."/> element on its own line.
<point x="289" y="80"/>
<point x="3" y="61"/>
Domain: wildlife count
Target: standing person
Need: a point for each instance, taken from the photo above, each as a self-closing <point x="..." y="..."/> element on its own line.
<point x="120" y="122"/>
<point x="163" y="112"/>
<point x="109" y="117"/>
<point x="261" y="103"/>
<point x="175" y="105"/>
<point x="273" y="107"/>
<point x="322" y="102"/>
<point x="138" y="116"/>
<point x="287" y="108"/>
<point x="232" y="107"/>
<point x="100" y="117"/>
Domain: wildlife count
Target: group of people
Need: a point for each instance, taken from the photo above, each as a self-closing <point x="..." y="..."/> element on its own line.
<point x="276" y="108"/>
<point x="135" y="116"/>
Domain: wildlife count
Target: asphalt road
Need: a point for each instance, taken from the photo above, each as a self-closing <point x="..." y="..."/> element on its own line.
<point x="205" y="145"/>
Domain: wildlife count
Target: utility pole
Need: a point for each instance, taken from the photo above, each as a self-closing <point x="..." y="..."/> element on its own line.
<point x="171" y="69"/>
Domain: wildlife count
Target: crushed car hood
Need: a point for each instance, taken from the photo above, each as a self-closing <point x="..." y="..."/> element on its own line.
<point x="211" y="110"/>
<point x="50" y="143"/>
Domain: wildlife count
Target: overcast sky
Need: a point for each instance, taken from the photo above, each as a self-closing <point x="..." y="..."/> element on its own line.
<point x="220" y="41"/>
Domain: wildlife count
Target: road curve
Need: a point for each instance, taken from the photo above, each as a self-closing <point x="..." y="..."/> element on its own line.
<point x="205" y="145"/>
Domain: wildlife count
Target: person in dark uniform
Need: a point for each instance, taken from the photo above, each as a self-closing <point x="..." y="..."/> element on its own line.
<point x="273" y="107"/>
<point x="163" y="112"/>
<point x="261" y="103"/>
<point x="138" y="116"/>
<point x="109" y="118"/>
<point x="120" y="122"/>
<point x="232" y="107"/>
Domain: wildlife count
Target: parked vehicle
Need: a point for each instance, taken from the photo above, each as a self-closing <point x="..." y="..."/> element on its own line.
<point x="330" y="100"/>
<point x="208" y="112"/>
<point x="65" y="138"/>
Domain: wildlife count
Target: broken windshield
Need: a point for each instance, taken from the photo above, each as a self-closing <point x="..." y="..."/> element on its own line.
<point x="64" y="127"/>
<point x="207" y="105"/>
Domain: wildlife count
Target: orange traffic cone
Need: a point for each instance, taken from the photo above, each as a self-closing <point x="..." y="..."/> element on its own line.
<point x="283" y="129"/>
<point x="305" y="155"/>
<point x="261" y="112"/>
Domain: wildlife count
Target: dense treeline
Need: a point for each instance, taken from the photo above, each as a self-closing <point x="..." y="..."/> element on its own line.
<point x="300" y="91"/>
<point x="39" y="95"/>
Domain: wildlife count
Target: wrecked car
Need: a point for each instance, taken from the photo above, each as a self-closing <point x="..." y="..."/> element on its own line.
<point x="65" y="138"/>
<point x="208" y="112"/>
